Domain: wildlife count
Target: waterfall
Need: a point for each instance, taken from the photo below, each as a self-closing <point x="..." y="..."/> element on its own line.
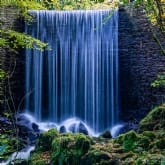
<point x="77" y="76"/>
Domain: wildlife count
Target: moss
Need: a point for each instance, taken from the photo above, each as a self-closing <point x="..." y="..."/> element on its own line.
<point x="155" y="120"/>
<point x="96" y="156"/>
<point x="45" y="140"/>
<point x="128" y="140"/>
<point x="69" y="148"/>
<point x="19" y="162"/>
<point x="8" y="145"/>
<point x="149" y="159"/>
<point x="144" y="142"/>
<point x="149" y="134"/>
<point x="159" y="143"/>
<point x="40" y="158"/>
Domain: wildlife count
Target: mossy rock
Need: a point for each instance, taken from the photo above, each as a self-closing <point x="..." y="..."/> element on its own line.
<point x="129" y="135"/>
<point x="40" y="158"/>
<point x="68" y="148"/>
<point x="45" y="140"/>
<point x="95" y="156"/>
<point x="155" y="120"/>
<point x="150" y="134"/>
<point x="19" y="162"/>
<point x="128" y="140"/>
<point x="144" y="142"/>
<point x="159" y="143"/>
<point x="149" y="159"/>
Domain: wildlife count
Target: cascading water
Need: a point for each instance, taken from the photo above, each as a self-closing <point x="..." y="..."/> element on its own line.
<point x="78" y="75"/>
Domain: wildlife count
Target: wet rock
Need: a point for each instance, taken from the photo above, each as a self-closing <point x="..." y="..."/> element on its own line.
<point x="28" y="131"/>
<point x="72" y="128"/>
<point x="82" y="129"/>
<point x="106" y="134"/>
<point x="22" y="119"/>
<point x="35" y="127"/>
<point x="4" y="120"/>
<point x="62" y="129"/>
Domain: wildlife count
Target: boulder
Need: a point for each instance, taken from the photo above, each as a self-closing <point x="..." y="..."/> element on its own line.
<point x="82" y="129"/>
<point x="72" y="128"/>
<point x="35" y="127"/>
<point x="106" y="134"/>
<point x="62" y="129"/>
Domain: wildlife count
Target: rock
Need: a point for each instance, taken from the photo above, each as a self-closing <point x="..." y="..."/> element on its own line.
<point x="72" y="128"/>
<point x="22" y="119"/>
<point x="62" y="129"/>
<point x="96" y="157"/>
<point x="127" y="127"/>
<point x="4" y="120"/>
<point x="25" y="128"/>
<point x="106" y="134"/>
<point x="45" y="139"/>
<point x="155" y="120"/>
<point x="77" y="145"/>
<point x="28" y="131"/>
<point x="82" y="129"/>
<point x="35" y="127"/>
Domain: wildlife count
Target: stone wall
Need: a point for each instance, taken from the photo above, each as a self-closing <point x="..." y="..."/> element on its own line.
<point x="12" y="62"/>
<point x="140" y="62"/>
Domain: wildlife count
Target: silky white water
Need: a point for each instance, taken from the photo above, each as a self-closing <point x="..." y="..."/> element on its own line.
<point x="77" y="77"/>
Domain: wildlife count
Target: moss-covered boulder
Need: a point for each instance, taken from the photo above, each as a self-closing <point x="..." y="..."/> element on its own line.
<point x="54" y="148"/>
<point x="45" y="140"/>
<point x="69" y="148"/>
<point x="40" y="158"/>
<point x="96" y="156"/>
<point x="128" y="140"/>
<point x="155" y="120"/>
<point x="149" y="159"/>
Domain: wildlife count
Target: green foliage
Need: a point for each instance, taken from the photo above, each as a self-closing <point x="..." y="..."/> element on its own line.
<point x="3" y="42"/>
<point x="16" y="40"/>
<point x="8" y="145"/>
<point x="4" y="3"/>
<point x="160" y="81"/>
<point x="24" y="5"/>
<point x="2" y="74"/>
